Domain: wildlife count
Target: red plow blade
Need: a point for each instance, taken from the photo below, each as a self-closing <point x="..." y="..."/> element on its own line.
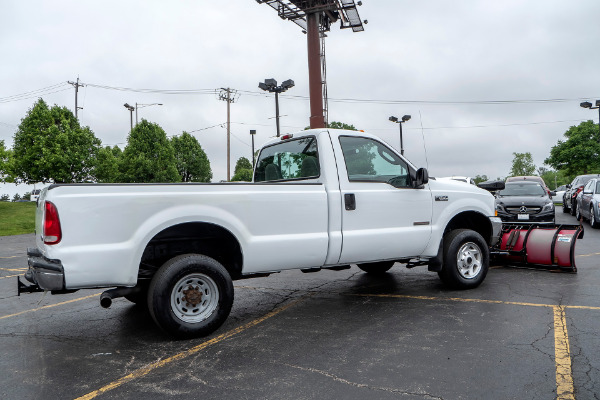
<point x="546" y="246"/>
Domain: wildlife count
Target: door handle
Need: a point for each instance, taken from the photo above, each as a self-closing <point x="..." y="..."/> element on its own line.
<point x="350" y="201"/>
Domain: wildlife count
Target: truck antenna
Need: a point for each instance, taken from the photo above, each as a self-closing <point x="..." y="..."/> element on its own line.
<point x="423" y="135"/>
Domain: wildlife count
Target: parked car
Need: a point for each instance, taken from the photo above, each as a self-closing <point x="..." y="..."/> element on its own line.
<point x="573" y="189"/>
<point x="35" y="194"/>
<point x="524" y="201"/>
<point x="587" y="203"/>
<point x="530" y="178"/>
<point x="560" y="192"/>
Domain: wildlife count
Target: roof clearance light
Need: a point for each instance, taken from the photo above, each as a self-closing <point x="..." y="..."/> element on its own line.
<point x="52" y="231"/>
<point x="286" y="137"/>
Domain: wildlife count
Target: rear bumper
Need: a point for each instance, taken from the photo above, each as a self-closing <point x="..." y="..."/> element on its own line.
<point x="47" y="274"/>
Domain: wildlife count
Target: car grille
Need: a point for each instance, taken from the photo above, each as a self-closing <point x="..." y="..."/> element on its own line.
<point x="517" y="210"/>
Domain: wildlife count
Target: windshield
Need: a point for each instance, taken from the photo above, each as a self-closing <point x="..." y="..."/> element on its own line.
<point x="522" y="189"/>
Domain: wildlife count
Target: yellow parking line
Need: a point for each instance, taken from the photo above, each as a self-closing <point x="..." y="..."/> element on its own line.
<point x="8" y="276"/>
<point x="13" y="269"/>
<point x="158" y="364"/>
<point x="50" y="306"/>
<point x="11" y="257"/>
<point x="562" y="356"/>
<point x="588" y="255"/>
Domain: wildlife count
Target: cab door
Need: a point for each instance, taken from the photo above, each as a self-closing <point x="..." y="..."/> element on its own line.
<point x="383" y="216"/>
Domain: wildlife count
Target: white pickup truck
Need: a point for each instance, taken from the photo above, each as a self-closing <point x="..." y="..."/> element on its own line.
<point x="321" y="199"/>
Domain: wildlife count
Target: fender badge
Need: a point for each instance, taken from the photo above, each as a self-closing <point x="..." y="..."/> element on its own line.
<point x="441" y="198"/>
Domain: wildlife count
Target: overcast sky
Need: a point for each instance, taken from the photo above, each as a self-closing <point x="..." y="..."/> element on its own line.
<point x="411" y="55"/>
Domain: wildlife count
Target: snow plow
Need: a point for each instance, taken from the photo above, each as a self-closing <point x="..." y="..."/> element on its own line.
<point x="547" y="246"/>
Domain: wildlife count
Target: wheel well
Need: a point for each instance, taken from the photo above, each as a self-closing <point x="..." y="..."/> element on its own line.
<point x="193" y="237"/>
<point x="471" y="220"/>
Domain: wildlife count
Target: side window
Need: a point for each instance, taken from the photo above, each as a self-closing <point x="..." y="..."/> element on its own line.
<point x="588" y="187"/>
<point x="292" y="159"/>
<point x="597" y="186"/>
<point x="367" y="160"/>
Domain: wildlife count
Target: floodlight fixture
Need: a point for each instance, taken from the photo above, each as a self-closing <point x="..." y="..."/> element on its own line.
<point x="130" y="108"/>
<point x="587" y="104"/>
<point x="288" y="84"/>
<point x="270" y="85"/>
<point x="400" y="122"/>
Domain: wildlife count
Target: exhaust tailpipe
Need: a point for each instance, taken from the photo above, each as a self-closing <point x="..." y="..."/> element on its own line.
<point x="107" y="297"/>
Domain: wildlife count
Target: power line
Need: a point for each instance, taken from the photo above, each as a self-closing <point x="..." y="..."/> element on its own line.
<point x="35" y="93"/>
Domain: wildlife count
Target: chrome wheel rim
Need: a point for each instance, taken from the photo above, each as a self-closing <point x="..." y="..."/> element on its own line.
<point x="469" y="260"/>
<point x="194" y="298"/>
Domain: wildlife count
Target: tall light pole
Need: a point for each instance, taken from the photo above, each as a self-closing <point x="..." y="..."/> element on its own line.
<point x="270" y="85"/>
<point x="587" y="104"/>
<point x="140" y="105"/>
<point x="130" y="108"/>
<point x="252" y="133"/>
<point x="400" y="122"/>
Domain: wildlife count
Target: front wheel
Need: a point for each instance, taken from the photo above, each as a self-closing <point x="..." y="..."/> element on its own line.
<point x="573" y="205"/>
<point x="377" y="268"/>
<point x="577" y="213"/>
<point x="191" y="295"/>
<point x="593" y="220"/>
<point x="466" y="259"/>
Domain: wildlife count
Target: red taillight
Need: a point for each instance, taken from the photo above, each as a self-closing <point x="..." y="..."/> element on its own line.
<point x="52" y="232"/>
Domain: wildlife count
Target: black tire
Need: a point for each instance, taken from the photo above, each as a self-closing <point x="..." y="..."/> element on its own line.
<point x="190" y="296"/>
<point x="377" y="268"/>
<point x="466" y="259"/>
<point x="573" y="206"/>
<point x="593" y="220"/>
<point x="577" y="213"/>
<point x="564" y="206"/>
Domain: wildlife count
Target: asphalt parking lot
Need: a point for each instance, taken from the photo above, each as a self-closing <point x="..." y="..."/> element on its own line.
<point x="524" y="334"/>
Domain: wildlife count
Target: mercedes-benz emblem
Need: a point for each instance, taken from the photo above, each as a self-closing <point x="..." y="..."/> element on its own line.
<point x="523" y="209"/>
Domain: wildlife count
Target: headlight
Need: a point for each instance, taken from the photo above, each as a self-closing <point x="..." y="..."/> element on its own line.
<point x="548" y="207"/>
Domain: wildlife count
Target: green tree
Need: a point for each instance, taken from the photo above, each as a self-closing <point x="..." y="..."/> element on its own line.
<point x="149" y="156"/>
<point x="16" y="197"/>
<point x="243" y="175"/>
<point x="27" y="196"/>
<point x="242" y="171"/>
<point x="522" y="164"/>
<point x="5" y="158"/>
<point x="51" y="146"/>
<point x="480" y="178"/>
<point x="192" y="163"/>
<point x="338" y="125"/>
<point x="4" y="197"/>
<point x="579" y="153"/>
<point x="107" y="165"/>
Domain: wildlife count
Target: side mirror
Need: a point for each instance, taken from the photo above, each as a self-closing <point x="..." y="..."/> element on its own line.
<point x="569" y="186"/>
<point x="421" y="177"/>
<point x="552" y="194"/>
<point x="492" y="186"/>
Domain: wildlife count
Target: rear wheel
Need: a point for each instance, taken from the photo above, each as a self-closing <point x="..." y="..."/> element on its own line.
<point x="190" y="296"/>
<point x="564" y="206"/>
<point x="573" y="205"/>
<point x="593" y="221"/>
<point x="577" y="213"/>
<point x="377" y="268"/>
<point x="466" y="259"/>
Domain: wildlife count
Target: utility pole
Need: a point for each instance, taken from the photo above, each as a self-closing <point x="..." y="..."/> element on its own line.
<point x="76" y="85"/>
<point x="228" y="95"/>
